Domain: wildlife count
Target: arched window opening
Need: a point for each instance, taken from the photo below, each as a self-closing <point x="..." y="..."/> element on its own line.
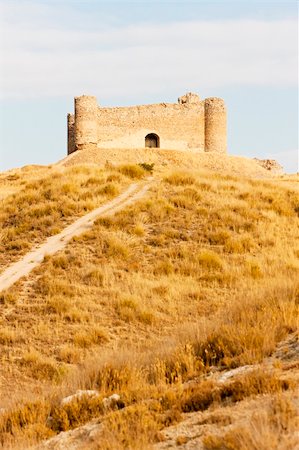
<point x="152" y="140"/>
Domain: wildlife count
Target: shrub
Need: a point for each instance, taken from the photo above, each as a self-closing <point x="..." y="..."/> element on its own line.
<point x="147" y="167"/>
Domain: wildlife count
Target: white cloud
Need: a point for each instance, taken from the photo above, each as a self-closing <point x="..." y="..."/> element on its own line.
<point x="42" y="57"/>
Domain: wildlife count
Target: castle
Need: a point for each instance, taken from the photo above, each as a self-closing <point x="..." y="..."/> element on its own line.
<point x="190" y="124"/>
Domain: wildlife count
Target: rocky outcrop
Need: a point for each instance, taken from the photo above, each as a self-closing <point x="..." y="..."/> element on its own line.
<point x="270" y="164"/>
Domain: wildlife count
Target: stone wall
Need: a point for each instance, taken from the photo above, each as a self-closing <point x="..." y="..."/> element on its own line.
<point x="190" y="124"/>
<point x="179" y="127"/>
<point x="70" y="133"/>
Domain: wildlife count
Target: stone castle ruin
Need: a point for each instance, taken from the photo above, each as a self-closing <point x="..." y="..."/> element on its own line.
<point x="190" y="124"/>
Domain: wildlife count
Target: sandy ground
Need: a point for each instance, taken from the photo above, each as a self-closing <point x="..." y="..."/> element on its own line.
<point x="55" y="243"/>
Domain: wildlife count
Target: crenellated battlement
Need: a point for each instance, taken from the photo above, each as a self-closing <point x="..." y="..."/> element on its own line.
<point x="190" y="124"/>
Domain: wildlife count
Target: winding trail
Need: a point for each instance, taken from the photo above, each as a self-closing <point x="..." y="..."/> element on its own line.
<point x="57" y="242"/>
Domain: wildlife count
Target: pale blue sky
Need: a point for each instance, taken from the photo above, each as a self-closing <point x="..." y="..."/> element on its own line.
<point x="146" y="52"/>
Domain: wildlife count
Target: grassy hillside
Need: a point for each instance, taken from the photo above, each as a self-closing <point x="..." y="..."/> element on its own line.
<point x="40" y="202"/>
<point x="201" y="273"/>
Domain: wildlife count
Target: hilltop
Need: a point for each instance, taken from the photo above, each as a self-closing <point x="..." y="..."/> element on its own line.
<point x="167" y="159"/>
<point x="184" y="304"/>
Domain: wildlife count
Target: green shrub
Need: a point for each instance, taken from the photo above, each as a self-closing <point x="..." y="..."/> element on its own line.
<point x="147" y="167"/>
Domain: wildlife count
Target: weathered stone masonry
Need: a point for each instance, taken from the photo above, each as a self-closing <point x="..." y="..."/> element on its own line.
<point x="190" y="124"/>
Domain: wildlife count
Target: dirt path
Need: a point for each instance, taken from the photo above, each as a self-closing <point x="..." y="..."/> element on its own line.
<point x="57" y="242"/>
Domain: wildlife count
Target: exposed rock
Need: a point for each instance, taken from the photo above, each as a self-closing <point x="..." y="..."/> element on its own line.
<point x="270" y="164"/>
<point x="110" y="402"/>
<point x="79" y="395"/>
<point x="81" y="438"/>
<point x="232" y="373"/>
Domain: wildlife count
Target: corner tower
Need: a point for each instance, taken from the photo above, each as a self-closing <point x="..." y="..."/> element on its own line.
<point x="86" y="110"/>
<point x="215" y="125"/>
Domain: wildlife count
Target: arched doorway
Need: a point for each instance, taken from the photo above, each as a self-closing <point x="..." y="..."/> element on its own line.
<point x="152" y="140"/>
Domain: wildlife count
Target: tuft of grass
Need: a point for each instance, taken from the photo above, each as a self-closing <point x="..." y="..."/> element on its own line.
<point x="129" y="310"/>
<point x="58" y="304"/>
<point x="209" y="260"/>
<point x="139" y="230"/>
<point x="254" y="269"/>
<point x="115" y="247"/>
<point x="132" y="171"/>
<point x="94" y="335"/>
<point x="180" y="179"/>
<point x="164" y="267"/>
<point x="69" y="354"/>
<point x="8" y="336"/>
<point x="40" y="367"/>
<point x="94" y="277"/>
<point x="7" y="298"/>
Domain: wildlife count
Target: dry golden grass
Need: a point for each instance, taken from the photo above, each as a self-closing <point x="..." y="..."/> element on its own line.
<point x="272" y="428"/>
<point x="44" y="204"/>
<point x="203" y="272"/>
